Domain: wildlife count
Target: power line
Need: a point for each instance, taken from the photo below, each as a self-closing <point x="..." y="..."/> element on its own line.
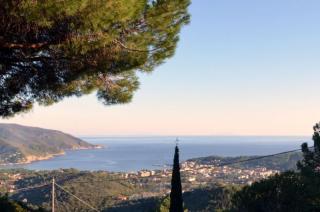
<point x="84" y="202"/>
<point x="260" y="157"/>
<point x="110" y="180"/>
<point x="31" y="187"/>
<point x="103" y="181"/>
<point x="220" y="165"/>
<point x="49" y="183"/>
<point x="250" y="159"/>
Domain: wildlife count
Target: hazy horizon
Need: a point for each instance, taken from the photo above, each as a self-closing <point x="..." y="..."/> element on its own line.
<point x="160" y="135"/>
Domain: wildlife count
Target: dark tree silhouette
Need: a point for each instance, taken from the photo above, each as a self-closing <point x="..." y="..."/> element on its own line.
<point x="176" y="201"/>
<point x="52" y="49"/>
<point x="288" y="191"/>
<point x="7" y="205"/>
<point x="311" y="157"/>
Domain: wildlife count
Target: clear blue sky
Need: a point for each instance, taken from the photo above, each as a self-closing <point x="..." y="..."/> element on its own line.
<point x="241" y="68"/>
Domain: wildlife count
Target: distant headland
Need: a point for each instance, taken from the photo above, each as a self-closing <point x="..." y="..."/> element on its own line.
<point x="22" y="144"/>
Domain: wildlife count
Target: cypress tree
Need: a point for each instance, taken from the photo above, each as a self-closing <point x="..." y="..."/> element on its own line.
<point x="176" y="201"/>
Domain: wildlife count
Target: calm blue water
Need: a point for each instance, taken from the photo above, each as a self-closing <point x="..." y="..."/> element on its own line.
<point x="132" y="154"/>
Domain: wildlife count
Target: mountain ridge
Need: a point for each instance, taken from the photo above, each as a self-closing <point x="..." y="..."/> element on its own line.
<point x="24" y="144"/>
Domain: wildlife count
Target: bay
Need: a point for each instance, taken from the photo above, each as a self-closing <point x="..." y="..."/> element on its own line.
<point x="127" y="154"/>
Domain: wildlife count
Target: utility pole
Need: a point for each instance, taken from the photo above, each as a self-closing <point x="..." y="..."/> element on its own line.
<point x="53" y="194"/>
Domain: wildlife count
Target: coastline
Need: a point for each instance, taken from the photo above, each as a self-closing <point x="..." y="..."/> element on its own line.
<point x="34" y="158"/>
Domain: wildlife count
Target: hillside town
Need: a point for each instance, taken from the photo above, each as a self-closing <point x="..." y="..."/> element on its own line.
<point x="157" y="182"/>
<point x="194" y="174"/>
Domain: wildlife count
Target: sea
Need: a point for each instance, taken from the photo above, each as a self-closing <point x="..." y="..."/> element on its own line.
<point x="130" y="154"/>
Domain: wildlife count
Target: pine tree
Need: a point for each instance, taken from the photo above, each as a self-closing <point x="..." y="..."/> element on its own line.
<point x="53" y="49"/>
<point x="176" y="201"/>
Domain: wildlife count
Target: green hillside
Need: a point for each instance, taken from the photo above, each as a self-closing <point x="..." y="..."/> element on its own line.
<point x="100" y="189"/>
<point x="108" y="192"/>
<point x="23" y="144"/>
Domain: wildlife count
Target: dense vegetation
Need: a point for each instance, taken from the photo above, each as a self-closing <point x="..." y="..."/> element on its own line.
<point x="104" y="191"/>
<point x="7" y="205"/>
<point x="100" y="189"/>
<point x="206" y="199"/>
<point x="288" y="191"/>
<point x="18" y="142"/>
<point x="51" y="49"/>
